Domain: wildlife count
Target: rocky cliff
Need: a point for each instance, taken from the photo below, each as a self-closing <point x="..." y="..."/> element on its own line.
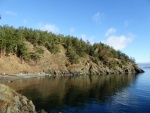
<point x="58" y="64"/>
<point x="12" y="102"/>
<point x="28" y="50"/>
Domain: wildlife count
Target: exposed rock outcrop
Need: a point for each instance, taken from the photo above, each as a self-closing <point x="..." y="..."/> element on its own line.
<point x="58" y="64"/>
<point x="58" y="54"/>
<point x="12" y="102"/>
<point x="85" y="67"/>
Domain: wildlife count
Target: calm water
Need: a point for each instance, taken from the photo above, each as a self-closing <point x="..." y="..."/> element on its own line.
<point x="89" y="94"/>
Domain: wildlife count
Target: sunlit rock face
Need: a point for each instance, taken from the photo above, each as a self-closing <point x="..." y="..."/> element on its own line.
<point x="12" y="102"/>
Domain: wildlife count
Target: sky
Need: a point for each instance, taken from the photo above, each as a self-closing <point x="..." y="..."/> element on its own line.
<point x="121" y="24"/>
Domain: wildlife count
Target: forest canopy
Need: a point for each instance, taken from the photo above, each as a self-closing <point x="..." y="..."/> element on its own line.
<point x="13" y="41"/>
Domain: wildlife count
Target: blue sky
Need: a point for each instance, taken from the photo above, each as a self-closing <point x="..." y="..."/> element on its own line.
<point x="122" y="24"/>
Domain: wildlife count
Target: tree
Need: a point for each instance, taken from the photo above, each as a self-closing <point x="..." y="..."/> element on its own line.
<point x="132" y="59"/>
<point x="13" y="40"/>
<point x="2" y="41"/>
<point x="52" y="47"/>
<point x="23" y="52"/>
<point x="72" y="56"/>
<point x="42" y="38"/>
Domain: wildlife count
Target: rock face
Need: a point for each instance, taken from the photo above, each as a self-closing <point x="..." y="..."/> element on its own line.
<point x="58" y="64"/>
<point x="12" y="102"/>
<point x="88" y="67"/>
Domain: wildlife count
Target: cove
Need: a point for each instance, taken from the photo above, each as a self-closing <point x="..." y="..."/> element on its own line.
<point x="88" y="94"/>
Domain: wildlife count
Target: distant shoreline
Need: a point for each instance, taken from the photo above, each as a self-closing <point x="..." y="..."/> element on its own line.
<point x="10" y="78"/>
<point x="146" y="67"/>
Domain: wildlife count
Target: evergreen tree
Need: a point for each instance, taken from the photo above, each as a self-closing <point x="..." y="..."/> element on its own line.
<point x="13" y="40"/>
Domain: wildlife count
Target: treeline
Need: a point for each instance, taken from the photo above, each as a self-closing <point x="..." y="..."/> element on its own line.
<point x="13" y="41"/>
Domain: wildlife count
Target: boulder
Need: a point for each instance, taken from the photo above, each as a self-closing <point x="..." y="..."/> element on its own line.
<point x="12" y="102"/>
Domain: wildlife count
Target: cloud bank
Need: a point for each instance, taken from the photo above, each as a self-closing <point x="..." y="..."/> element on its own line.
<point x="110" y="31"/>
<point x="117" y="42"/>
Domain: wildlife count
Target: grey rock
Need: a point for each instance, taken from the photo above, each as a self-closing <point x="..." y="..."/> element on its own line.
<point x="14" y="102"/>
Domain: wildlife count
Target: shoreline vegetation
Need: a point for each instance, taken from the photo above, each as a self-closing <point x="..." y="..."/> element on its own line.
<point x="26" y="53"/>
<point x="26" y="50"/>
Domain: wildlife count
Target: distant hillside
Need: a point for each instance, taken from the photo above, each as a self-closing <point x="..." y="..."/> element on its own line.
<point x="24" y="50"/>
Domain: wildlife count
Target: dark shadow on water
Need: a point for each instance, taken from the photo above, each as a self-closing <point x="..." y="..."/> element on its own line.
<point x="61" y="93"/>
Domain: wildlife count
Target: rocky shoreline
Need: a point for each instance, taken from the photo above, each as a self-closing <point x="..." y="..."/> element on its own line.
<point x="54" y="56"/>
<point x="11" y="78"/>
<point x="12" y="102"/>
<point x="72" y="72"/>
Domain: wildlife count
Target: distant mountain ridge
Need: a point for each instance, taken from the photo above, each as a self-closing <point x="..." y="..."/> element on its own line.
<point x="24" y="50"/>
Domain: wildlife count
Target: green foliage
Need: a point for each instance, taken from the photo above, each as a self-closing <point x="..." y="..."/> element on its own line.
<point x="113" y="64"/>
<point x="12" y="40"/>
<point x="132" y="59"/>
<point x="23" y="52"/>
<point x="53" y="48"/>
<point x="36" y="55"/>
<point x="72" y="56"/>
<point x="94" y="59"/>
<point x="39" y="50"/>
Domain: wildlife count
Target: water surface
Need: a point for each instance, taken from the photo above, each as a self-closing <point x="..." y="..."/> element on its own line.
<point x="89" y="94"/>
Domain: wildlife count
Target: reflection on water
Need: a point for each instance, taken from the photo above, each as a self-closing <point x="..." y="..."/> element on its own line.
<point x="72" y="93"/>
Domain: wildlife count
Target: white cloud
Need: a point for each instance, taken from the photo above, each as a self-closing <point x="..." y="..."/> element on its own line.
<point x="98" y="17"/>
<point x="11" y="13"/>
<point x="110" y="31"/>
<point x="49" y="27"/>
<point x="117" y="42"/>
